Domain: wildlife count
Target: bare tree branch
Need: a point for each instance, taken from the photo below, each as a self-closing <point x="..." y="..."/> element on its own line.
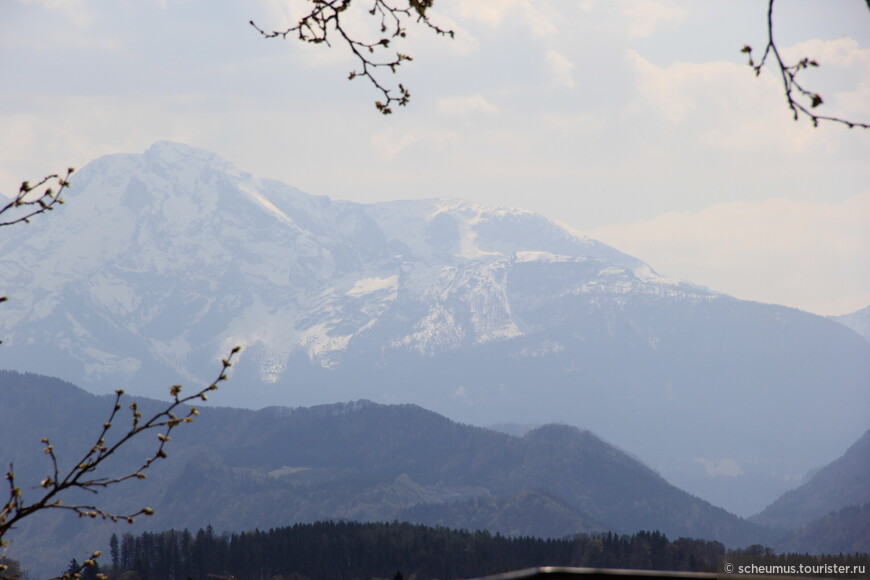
<point x="793" y="89"/>
<point x="83" y="473"/>
<point x="31" y="202"/>
<point x="325" y="18"/>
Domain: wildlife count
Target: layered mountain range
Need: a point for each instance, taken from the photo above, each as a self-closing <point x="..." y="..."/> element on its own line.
<point x="239" y="469"/>
<point x="830" y="513"/>
<point x="160" y="262"/>
<point x="842" y="483"/>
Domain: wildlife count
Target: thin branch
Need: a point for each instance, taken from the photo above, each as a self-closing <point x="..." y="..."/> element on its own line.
<point x="33" y="202"/>
<point x="325" y="19"/>
<point x="82" y="475"/>
<point x="75" y="574"/>
<point x="789" y="73"/>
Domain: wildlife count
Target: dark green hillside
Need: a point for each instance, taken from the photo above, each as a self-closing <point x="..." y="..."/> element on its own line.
<point x="346" y="550"/>
<point x="845" y="531"/>
<point x="843" y="482"/>
<point x="525" y="513"/>
<point x="240" y="469"/>
<point x="383" y="442"/>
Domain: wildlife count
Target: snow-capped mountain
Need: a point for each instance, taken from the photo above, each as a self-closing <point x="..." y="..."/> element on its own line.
<point x="859" y="321"/>
<point x="159" y="263"/>
<point x="182" y="252"/>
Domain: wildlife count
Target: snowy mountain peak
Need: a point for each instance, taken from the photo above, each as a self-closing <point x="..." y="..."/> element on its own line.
<point x="859" y="321"/>
<point x="170" y="152"/>
<point x="161" y="262"/>
<point x="194" y="254"/>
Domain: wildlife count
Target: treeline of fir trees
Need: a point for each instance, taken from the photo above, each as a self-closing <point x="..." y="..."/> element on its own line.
<point x="350" y="550"/>
<point x="363" y="551"/>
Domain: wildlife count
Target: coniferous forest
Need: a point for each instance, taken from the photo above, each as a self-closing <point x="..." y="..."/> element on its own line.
<point x="339" y="550"/>
<point x="364" y="551"/>
<point x="350" y="550"/>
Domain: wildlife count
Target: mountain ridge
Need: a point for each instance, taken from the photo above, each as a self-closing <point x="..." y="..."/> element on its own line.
<point x="240" y="469"/>
<point x="842" y="483"/>
<point x="163" y="261"/>
<point x="859" y="321"/>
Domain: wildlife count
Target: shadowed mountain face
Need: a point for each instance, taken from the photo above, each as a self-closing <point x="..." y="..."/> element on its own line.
<point x="159" y="263"/>
<point x="240" y="469"/>
<point x="842" y="483"/>
<point x="830" y="513"/>
<point x="844" y="531"/>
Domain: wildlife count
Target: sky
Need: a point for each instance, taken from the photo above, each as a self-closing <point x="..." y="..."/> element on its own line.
<point x="636" y="122"/>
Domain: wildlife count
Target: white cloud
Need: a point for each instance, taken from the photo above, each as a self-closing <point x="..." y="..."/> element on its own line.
<point x="811" y="256"/>
<point x="576" y="124"/>
<point x="75" y="11"/>
<point x="725" y="467"/>
<point x="534" y="15"/>
<point x="842" y="77"/>
<point x="724" y="106"/>
<point x="459" y="106"/>
<point x="841" y="52"/>
<point x="561" y="69"/>
<point x="65" y="6"/>
<point x="684" y="92"/>
<point x="645" y="16"/>
<point x="76" y="130"/>
<point x="463" y="42"/>
<point x="389" y="143"/>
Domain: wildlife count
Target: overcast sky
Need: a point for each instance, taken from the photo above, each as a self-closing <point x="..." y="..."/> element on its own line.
<point x="637" y="122"/>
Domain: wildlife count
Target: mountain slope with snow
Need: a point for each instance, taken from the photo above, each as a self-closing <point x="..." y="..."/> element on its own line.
<point x="159" y="263"/>
<point x="859" y="321"/>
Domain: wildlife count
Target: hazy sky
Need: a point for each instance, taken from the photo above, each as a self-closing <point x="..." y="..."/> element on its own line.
<point x="636" y="122"/>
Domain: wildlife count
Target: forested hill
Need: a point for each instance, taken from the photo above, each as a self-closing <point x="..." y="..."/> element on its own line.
<point x="241" y="469"/>
<point x="346" y="550"/>
<point x="846" y="530"/>
<point x="843" y="482"/>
